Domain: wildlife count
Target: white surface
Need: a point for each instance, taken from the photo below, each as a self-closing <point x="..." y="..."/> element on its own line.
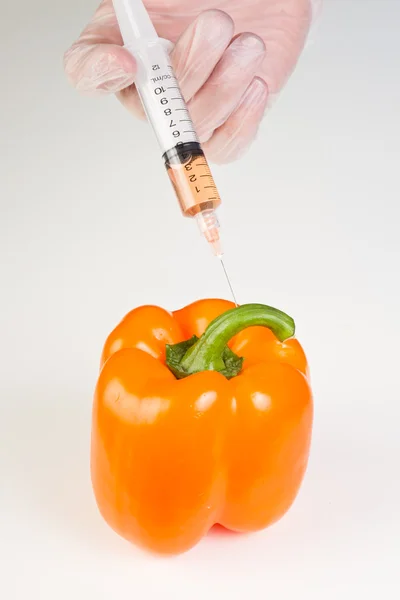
<point x="311" y="226"/>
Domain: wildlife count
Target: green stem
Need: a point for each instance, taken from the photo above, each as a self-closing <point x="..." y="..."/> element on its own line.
<point x="210" y="352"/>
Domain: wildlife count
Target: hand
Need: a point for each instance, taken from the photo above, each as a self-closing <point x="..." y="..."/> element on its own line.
<point x="226" y="74"/>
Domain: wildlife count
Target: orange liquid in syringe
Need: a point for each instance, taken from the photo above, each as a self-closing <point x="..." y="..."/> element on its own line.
<point x="191" y="177"/>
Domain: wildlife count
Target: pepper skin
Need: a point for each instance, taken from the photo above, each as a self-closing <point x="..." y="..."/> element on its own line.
<point x="172" y="457"/>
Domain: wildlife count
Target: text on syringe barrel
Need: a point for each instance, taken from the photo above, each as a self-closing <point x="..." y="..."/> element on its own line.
<point x="191" y="177"/>
<point x="169" y="116"/>
<point x="161" y="97"/>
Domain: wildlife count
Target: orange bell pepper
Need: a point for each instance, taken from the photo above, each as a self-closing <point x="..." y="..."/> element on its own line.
<point x="187" y="435"/>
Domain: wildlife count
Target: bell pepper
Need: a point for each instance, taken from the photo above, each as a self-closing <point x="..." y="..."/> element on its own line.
<point x="200" y="416"/>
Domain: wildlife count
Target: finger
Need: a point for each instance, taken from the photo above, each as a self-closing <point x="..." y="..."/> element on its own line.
<point x="219" y="97"/>
<point x="284" y="29"/>
<point x="97" y="62"/>
<point x="233" y="138"/>
<point x="194" y="56"/>
<point x="199" y="49"/>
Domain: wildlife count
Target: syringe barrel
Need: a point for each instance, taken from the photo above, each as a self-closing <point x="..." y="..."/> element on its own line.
<point x="191" y="178"/>
<point x="161" y="97"/>
<point x="170" y="119"/>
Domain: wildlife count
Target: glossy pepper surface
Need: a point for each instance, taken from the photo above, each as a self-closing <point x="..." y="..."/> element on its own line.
<point x="187" y="435"/>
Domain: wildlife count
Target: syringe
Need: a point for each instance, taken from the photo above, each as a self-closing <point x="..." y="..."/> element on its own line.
<point x="169" y="117"/>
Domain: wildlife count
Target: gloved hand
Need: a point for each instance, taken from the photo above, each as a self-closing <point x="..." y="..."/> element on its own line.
<point x="226" y="75"/>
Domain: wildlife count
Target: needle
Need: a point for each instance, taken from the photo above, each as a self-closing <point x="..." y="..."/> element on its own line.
<point x="228" y="280"/>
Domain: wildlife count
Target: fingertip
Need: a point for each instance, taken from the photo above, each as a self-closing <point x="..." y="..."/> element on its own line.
<point x="230" y="141"/>
<point x="99" y="67"/>
<point x="259" y="86"/>
<point x="218" y="17"/>
<point x="199" y="49"/>
<point x="251" y="40"/>
<point x="125" y="59"/>
<point x="260" y="81"/>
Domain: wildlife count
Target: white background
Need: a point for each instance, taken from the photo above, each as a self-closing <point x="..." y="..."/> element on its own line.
<point x="90" y="229"/>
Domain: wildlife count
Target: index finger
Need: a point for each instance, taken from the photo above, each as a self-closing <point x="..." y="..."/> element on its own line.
<point x="97" y="62"/>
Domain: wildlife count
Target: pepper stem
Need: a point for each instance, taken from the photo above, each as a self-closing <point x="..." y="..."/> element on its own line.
<point x="211" y="353"/>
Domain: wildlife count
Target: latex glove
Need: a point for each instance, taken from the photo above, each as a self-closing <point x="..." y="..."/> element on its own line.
<point x="226" y="75"/>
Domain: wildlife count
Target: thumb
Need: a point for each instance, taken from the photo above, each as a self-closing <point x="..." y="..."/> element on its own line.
<point x="97" y="62"/>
